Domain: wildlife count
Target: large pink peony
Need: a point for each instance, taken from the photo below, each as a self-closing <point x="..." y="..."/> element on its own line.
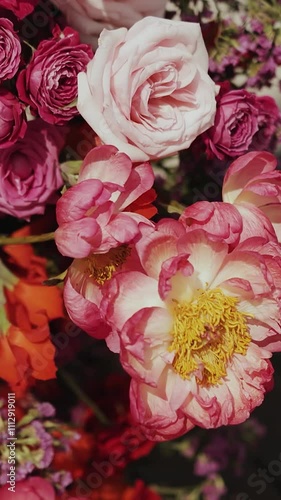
<point x="147" y="90"/>
<point x="100" y="212"/>
<point x="197" y="328"/>
<point x="253" y="185"/>
<point x="29" y="171"/>
<point x="90" y="17"/>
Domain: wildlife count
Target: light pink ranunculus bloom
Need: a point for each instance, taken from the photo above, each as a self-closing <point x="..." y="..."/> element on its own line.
<point x="97" y="214"/>
<point x="33" y="488"/>
<point x="147" y="90"/>
<point x="90" y="17"/>
<point x="253" y="185"/>
<point x="197" y="328"/>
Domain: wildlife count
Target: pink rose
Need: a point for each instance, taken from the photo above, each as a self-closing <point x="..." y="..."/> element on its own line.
<point x="147" y="90"/>
<point x="12" y="119"/>
<point x="29" y="171"/>
<point x="33" y="488"/>
<point x="21" y="8"/>
<point x="236" y="123"/>
<point x="49" y="83"/>
<point x="10" y="52"/>
<point x="90" y="17"/>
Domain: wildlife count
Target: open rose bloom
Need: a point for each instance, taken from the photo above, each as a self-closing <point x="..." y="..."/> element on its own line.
<point x="147" y="90"/>
<point x="197" y="327"/>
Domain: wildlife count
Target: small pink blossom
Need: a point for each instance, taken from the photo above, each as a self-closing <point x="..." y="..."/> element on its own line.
<point x="197" y="328"/>
<point x="253" y="184"/>
<point x="95" y="215"/>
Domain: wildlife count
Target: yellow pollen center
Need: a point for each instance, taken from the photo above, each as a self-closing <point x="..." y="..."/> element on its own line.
<point x="101" y="267"/>
<point x="206" y="334"/>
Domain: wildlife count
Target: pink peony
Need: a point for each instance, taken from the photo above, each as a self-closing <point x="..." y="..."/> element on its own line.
<point x="29" y="171"/>
<point x="197" y="328"/>
<point x="83" y="290"/>
<point x="12" y="119"/>
<point x="33" y="488"/>
<point x="10" y="52"/>
<point x="49" y="83"/>
<point x="253" y="185"/>
<point x="147" y="90"/>
<point x="95" y="215"/>
<point x="90" y="17"/>
<point x="236" y="123"/>
<point x="21" y="8"/>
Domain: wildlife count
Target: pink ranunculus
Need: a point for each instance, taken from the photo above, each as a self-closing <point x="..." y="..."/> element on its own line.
<point x="29" y="171"/>
<point x="268" y="123"/>
<point x="147" y="89"/>
<point x="236" y="123"/>
<point x="49" y="83"/>
<point x="33" y="488"/>
<point x="10" y="49"/>
<point x="253" y="185"/>
<point x="95" y="215"/>
<point x="197" y="328"/>
<point x="12" y="119"/>
<point x="90" y="17"/>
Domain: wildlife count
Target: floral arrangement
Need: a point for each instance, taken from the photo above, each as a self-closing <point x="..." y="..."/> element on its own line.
<point x="140" y="258"/>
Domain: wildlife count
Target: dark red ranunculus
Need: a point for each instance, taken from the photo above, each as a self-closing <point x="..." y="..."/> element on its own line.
<point x="49" y="83"/>
<point x="12" y="119"/>
<point x="10" y="49"/>
<point x="268" y="122"/>
<point x="236" y="123"/>
<point x="21" y="8"/>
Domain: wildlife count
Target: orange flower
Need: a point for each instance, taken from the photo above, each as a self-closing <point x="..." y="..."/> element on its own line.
<point x="26" y="307"/>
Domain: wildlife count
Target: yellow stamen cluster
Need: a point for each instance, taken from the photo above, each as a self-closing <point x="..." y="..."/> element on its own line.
<point x="206" y="334"/>
<point x="102" y="266"/>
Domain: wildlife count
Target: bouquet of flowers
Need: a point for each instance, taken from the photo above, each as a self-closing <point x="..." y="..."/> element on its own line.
<point x="140" y="258"/>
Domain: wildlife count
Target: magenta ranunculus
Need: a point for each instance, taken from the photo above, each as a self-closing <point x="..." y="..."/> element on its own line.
<point x="49" y="83"/>
<point x="33" y="488"/>
<point x="268" y="122"/>
<point x="21" y="8"/>
<point x="10" y="49"/>
<point x="29" y="171"/>
<point x="90" y="17"/>
<point x="12" y="119"/>
<point x="236" y="123"/>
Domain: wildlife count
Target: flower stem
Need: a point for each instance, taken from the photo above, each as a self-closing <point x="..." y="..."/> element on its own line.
<point x="25" y="240"/>
<point x="72" y="384"/>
